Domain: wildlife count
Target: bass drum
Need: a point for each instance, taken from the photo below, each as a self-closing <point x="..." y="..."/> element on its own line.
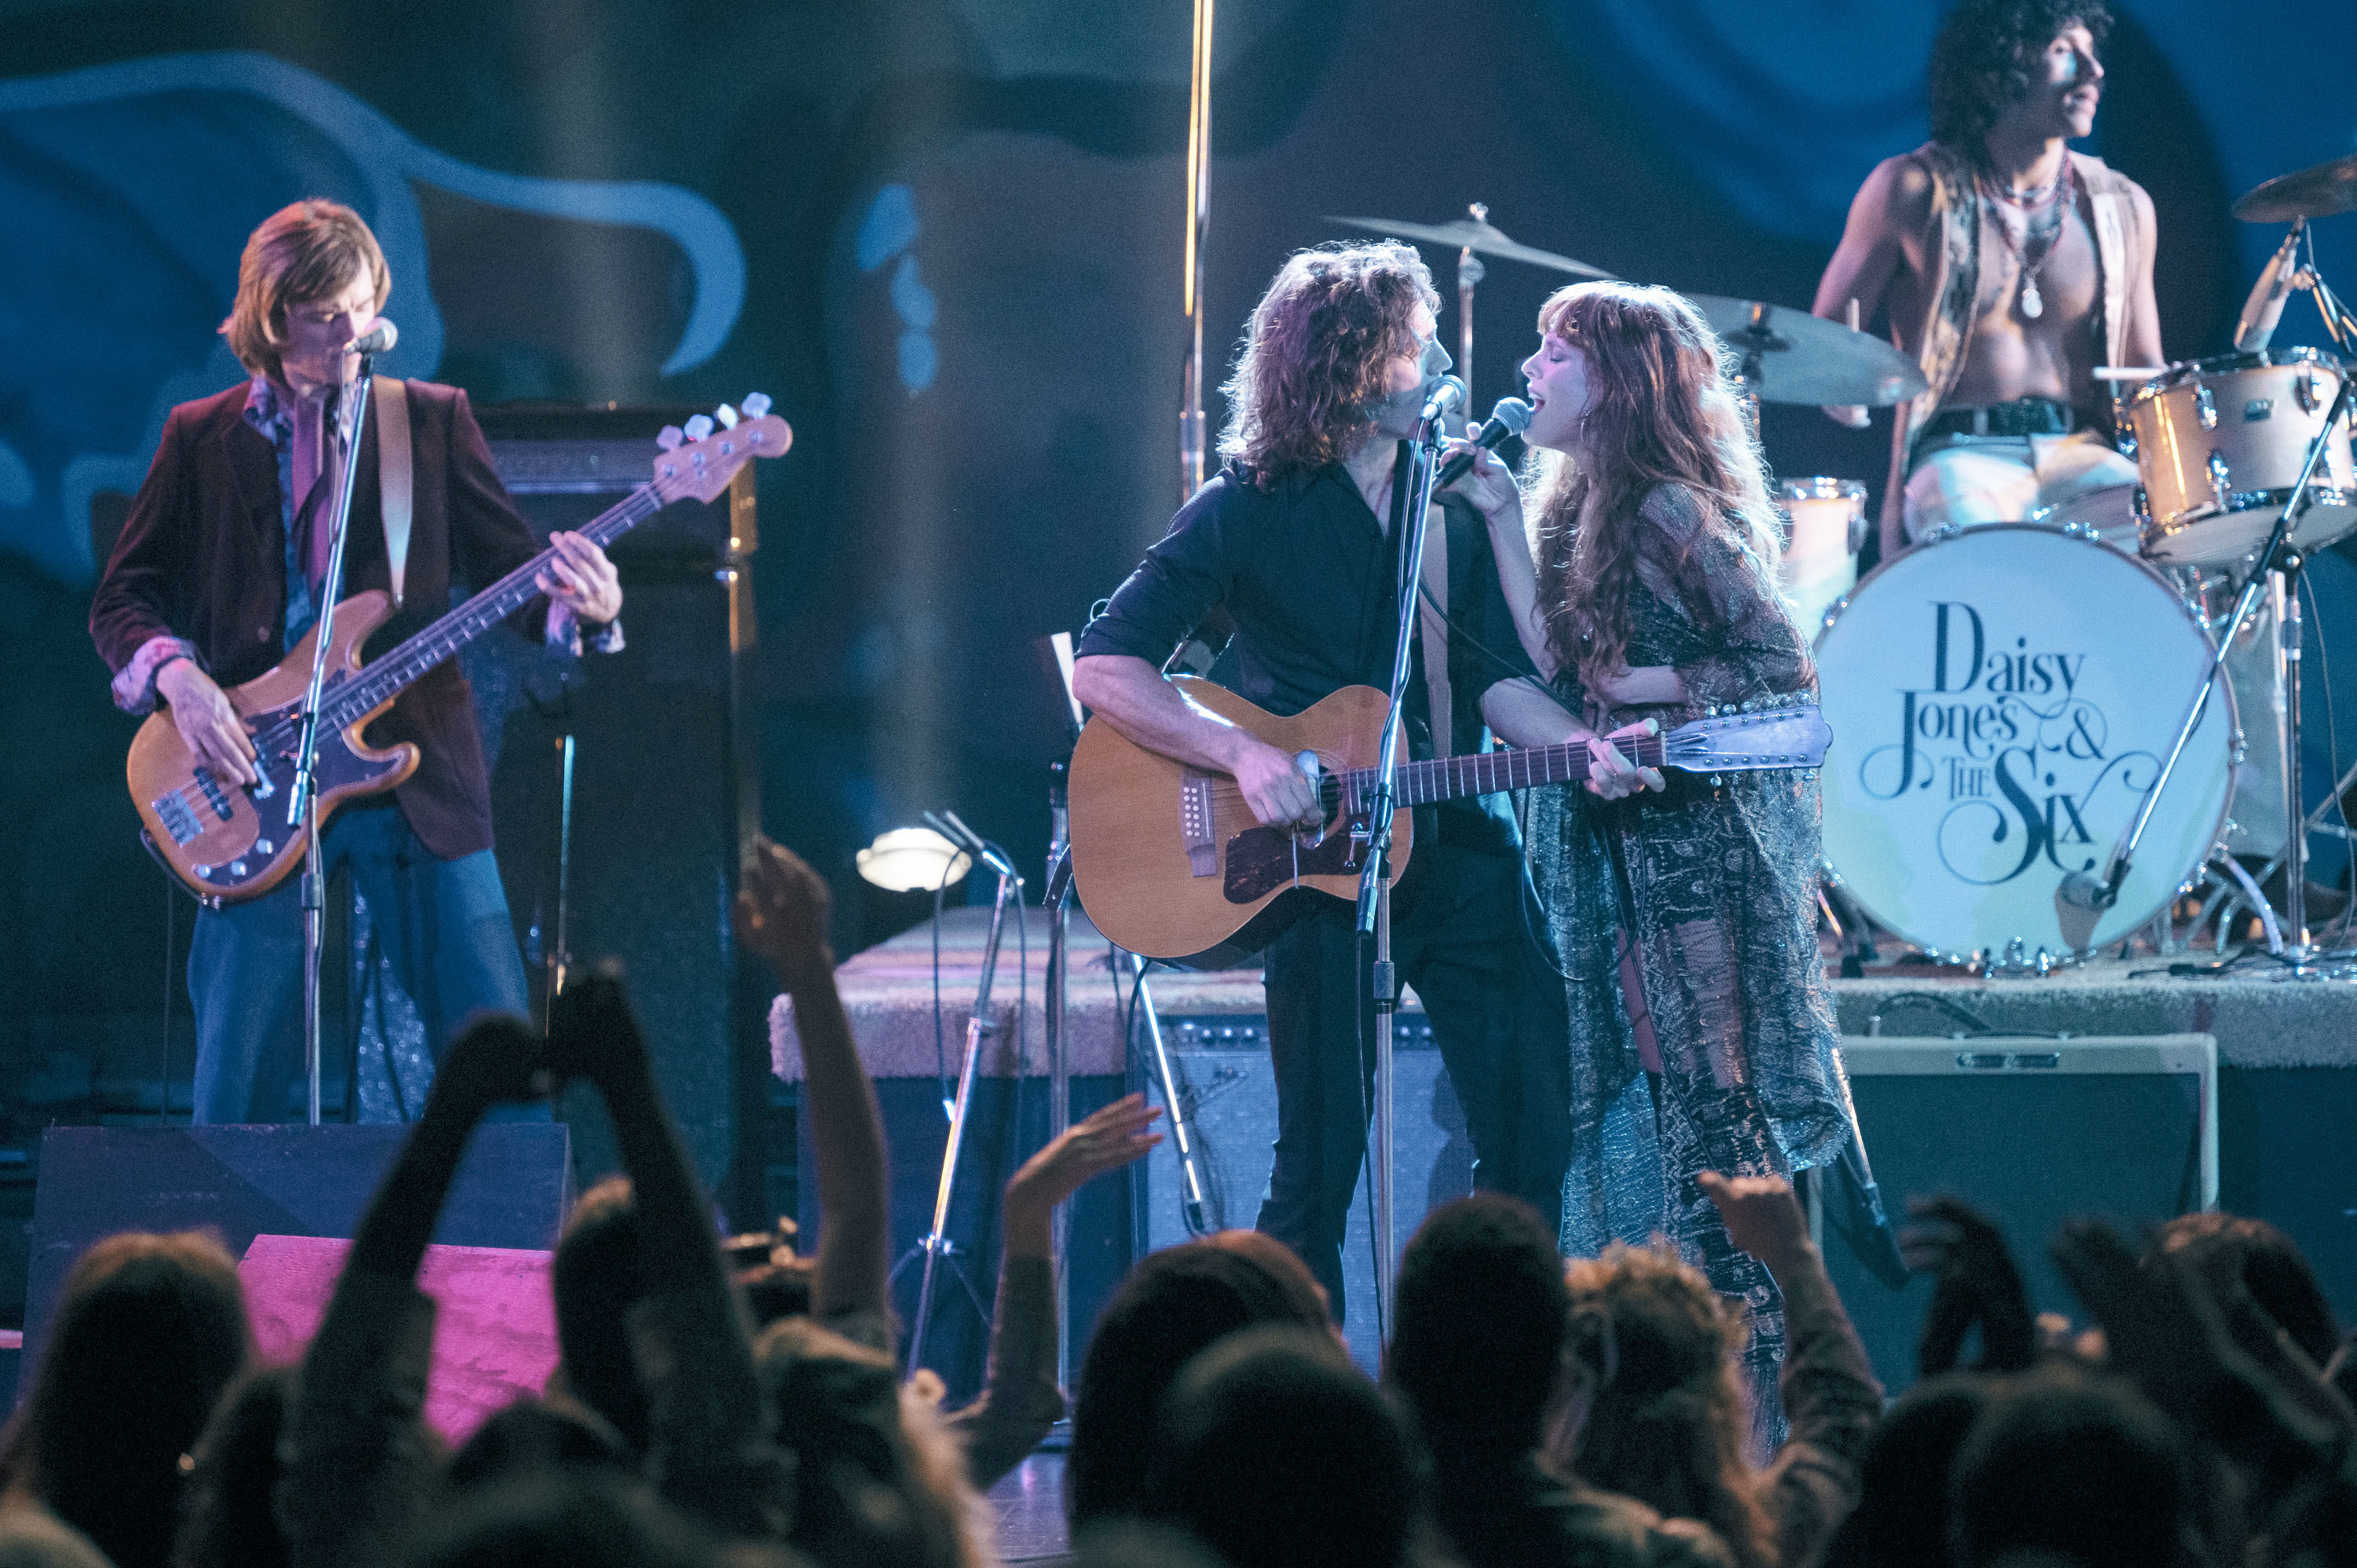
<point x="2001" y="699"/>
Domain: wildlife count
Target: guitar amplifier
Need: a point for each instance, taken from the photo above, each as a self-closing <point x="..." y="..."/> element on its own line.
<point x="664" y="796"/>
<point x="2030" y="1132"/>
<point x="1224" y="1075"/>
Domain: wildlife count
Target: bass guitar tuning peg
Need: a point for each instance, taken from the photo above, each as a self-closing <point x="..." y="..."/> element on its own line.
<point x="699" y="427"/>
<point x="755" y="404"/>
<point x="725" y="415"/>
<point x="668" y="437"/>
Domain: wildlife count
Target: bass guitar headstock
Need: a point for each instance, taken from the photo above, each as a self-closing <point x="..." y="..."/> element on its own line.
<point x="1732" y="739"/>
<point x="699" y="462"/>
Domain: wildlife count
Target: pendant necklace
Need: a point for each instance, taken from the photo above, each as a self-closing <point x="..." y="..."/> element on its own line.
<point x="2009" y="208"/>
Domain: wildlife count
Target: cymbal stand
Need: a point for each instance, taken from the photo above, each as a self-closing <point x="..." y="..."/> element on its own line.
<point x="1469" y="273"/>
<point x="936" y="1246"/>
<point x="303" y="798"/>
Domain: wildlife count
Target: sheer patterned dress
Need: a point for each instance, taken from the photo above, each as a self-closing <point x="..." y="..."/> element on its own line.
<point x="1710" y="892"/>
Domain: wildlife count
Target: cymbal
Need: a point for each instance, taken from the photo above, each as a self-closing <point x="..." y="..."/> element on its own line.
<point x="1791" y="356"/>
<point x="2318" y="192"/>
<point x="1479" y="235"/>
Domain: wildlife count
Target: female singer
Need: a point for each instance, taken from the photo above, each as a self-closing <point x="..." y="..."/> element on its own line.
<point x="1701" y="1033"/>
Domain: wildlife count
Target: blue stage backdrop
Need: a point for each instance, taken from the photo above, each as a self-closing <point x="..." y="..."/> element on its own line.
<point x="944" y="236"/>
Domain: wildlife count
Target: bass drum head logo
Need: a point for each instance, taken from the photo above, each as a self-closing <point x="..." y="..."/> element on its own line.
<point x="2004" y="700"/>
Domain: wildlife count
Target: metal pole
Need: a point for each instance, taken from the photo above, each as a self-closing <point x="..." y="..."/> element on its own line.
<point x="1191" y="444"/>
<point x="1469" y="273"/>
<point x="979" y="1027"/>
<point x="1386" y="988"/>
<point x="2285" y="589"/>
<point x="560" y="952"/>
<point x="302" y="801"/>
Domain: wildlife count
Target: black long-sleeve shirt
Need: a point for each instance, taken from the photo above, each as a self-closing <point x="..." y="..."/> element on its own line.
<point x="1307" y="572"/>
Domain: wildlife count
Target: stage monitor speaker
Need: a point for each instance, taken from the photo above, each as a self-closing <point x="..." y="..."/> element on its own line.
<point x="2030" y="1132"/>
<point x="1223" y="1067"/>
<point x="664" y="796"/>
<point x="512" y="1190"/>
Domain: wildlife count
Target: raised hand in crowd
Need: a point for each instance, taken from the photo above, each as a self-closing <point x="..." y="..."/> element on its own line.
<point x="707" y="1420"/>
<point x="358" y="1463"/>
<point x="2165" y="1332"/>
<point x="1977" y="1282"/>
<point x="1107" y="1140"/>
<point x="1762" y="1217"/>
<point x="781" y="914"/>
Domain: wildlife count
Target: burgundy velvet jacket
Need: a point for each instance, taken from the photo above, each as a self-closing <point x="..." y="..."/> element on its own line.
<point x="203" y="556"/>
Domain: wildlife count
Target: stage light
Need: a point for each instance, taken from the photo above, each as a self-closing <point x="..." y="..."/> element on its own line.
<point x="913" y="860"/>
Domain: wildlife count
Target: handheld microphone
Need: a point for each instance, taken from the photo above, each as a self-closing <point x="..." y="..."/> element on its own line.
<point x="1448" y="394"/>
<point x="380" y="338"/>
<point x="1511" y="416"/>
<point x="2265" y="307"/>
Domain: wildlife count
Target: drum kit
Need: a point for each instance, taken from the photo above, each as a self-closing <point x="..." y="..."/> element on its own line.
<point x="2041" y="750"/>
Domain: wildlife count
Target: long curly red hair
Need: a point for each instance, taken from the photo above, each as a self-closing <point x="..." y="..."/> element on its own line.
<point x="1664" y="412"/>
<point x="1312" y="367"/>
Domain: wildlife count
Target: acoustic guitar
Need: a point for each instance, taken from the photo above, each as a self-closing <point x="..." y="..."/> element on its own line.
<point x="233" y="843"/>
<point x="1170" y="861"/>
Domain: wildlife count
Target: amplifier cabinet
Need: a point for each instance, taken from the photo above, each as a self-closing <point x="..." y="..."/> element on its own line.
<point x="664" y="791"/>
<point x="2031" y="1132"/>
<point x="1224" y="1075"/>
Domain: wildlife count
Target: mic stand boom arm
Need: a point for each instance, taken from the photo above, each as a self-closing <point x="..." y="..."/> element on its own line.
<point x="2270" y="558"/>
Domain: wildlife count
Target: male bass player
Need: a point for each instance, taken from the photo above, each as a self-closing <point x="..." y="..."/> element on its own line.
<point x="2012" y="268"/>
<point x="1292" y="539"/>
<point x="216" y="578"/>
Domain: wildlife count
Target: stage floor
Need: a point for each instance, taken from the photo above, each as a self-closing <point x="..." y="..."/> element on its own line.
<point x="2260" y="1021"/>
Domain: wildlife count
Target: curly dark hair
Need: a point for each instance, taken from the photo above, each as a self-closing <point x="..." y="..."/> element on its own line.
<point x="1311" y="368"/>
<point x="1984" y="55"/>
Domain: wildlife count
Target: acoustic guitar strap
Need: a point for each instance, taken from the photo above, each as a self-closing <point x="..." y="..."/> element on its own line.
<point x="394" y="473"/>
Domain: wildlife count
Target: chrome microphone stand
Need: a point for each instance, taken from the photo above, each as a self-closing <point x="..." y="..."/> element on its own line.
<point x="1375" y="877"/>
<point x="303" y="798"/>
<point x="980" y="1026"/>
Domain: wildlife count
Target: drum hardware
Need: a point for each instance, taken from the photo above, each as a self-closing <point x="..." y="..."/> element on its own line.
<point x="1473" y="237"/>
<point x="2082" y="895"/>
<point x="1824" y="525"/>
<point x="2215" y="479"/>
<point x="1790" y="356"/>
<point x="2319" y="191"/>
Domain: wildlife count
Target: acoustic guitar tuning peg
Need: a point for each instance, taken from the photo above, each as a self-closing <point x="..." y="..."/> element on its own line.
<point x="725" y="415"/>
<point x="668" y="437"/>
<point x="699" y="427"/>
<point x="755" y="404"/>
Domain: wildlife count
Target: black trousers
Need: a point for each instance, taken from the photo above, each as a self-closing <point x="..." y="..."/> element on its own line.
<point x="1459" y="938"/>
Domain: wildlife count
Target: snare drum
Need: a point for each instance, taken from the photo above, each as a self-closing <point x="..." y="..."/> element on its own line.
<point x="2219" y="444"/>
<point x="2003" y="698"/>
<point x="1828" y="519"/>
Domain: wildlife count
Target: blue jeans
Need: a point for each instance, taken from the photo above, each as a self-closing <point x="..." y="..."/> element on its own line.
<point x="444" y="928"/>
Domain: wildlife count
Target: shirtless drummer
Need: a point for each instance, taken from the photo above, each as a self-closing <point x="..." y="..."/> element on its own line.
<point x="2012" y="268"/>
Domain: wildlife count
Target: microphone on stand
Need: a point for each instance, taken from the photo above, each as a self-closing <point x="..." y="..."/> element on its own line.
<point x="379" y="338"/>
<point x="2265" y="307"/>
<point x="1448" y="393"/>
<point x="1511" y="416"/>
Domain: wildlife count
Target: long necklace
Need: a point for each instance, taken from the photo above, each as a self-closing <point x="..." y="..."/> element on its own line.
<point x="2007" y="209"/>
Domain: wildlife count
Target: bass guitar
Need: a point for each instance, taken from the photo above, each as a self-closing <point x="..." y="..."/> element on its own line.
<point x="1170" y="861"/>
<point x="233" y="842"/>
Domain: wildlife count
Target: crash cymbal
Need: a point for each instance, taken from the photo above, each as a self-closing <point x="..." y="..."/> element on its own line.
<point x="1466" y="232"/>
<point x="2318" y="192"/>
<point x="1790" y="356"/>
